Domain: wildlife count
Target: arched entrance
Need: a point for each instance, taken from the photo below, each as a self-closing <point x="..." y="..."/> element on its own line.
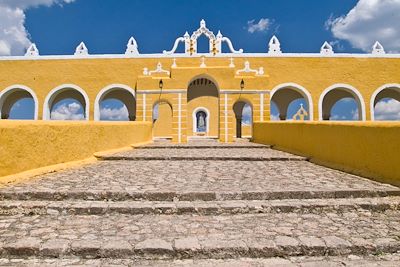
<point x="385" y="103"/>
<point x="244" y="119"/>
<point x="162" y="120"/>
<point x="203" y="107"/>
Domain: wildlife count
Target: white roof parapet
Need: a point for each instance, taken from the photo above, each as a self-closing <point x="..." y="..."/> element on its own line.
<point x="81" y="50"/>
<point x="32" y="51"/>
<point x="327" y="49"/>
<point x="274" y="46"/>
<point x="132" y="47"/>
<point x="247" y="69"/>
<point x="215" y="42"/>
<point x="158" y="70"/>
<point x="378" y="49"/>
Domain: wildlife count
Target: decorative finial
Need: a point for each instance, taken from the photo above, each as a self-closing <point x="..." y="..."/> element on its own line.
<point x="132" y="47"/>
<point x="326" y="49"/>
<point x="32" y="51"/>
<point x="202" y="23"/>
<point x="378" y="49"/>
<point x="81" y="50"/>
<point x="174" y="63"/>
<point x="274" y="46"/>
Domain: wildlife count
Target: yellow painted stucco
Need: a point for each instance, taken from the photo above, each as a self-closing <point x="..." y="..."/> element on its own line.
<point x="315" y="74"/>
<point x="26" y="145"/>
<point x="369" y="149"/>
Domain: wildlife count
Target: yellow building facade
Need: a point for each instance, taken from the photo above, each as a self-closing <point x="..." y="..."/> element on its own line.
<point x="196" y="95"/>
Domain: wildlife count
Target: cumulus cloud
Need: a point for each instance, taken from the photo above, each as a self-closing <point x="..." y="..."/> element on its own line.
<point x="387" y="110"/>
<point x="367" y="22"/>
<point x="275" y="117"/>
<point x="354" y="115"/>
<point x="261" y="26"/>
<point x="14" y="37"/>
<point x="246" y="115"/>
<point x="114" y="114"/>
<point x="71" y="111"/>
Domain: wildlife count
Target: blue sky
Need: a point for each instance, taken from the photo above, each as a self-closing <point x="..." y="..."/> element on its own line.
<point x="57" y="27"/>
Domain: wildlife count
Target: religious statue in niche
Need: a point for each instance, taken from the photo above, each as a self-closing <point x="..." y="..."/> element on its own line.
<point x="201" y="117"/>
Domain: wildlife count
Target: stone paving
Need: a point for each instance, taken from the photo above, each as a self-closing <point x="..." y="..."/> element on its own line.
<point x="200" y="213"/>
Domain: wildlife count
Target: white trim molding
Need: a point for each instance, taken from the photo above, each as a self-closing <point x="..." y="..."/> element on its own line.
<point x="10" y="89"/>
<point x="194" y="118"/>
<point x="356" y="94"/>
<point x="303" y="91"/>
<point x="375" y="94"/>
<point x="104" y="92"/>
<point x="53" y="93"/>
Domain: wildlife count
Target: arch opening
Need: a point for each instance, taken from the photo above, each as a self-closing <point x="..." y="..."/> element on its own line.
<point x="18" y="103"/>
<point x="244" y="119"/>
<point x="341" y="103"/>
<point x="385" y="104"/>
<point x="162" y="120"/>
<point x="115" y="103"/>
<point x="287" y="100"/>
<point x="203" y="107"/>
<point x="67" y="102"/>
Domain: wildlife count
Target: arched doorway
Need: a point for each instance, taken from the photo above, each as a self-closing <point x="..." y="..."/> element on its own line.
<point x="116" y="102"/>
<point x="287" y="99"/>
<point x="162" y="120"/>
<point x="244" y="119"/>
<point x="385" y="103"/>
<point x="344" y="99"/>
<point x="18" y="103"/>
<point x="203" y="107"/>
<point x="66" y="102"/>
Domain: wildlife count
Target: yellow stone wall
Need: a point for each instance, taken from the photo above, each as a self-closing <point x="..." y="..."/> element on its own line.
<point x="92" y="75"/>
<point x="26" y="145"/>
<point x="369" y="149"/>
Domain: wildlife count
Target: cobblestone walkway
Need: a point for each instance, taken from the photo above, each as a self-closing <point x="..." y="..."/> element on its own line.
<point x="201" y="204"/>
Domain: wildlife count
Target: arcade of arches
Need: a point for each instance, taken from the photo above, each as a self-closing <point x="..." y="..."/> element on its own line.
<point x="186" y="101"/>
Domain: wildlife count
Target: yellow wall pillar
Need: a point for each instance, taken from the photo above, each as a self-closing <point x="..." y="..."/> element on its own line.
<point x="227" y="119"/>
<point x="179" y="118"/>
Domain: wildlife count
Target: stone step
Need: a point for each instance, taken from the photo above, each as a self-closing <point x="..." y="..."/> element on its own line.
<point x="194" y="146"/>
<point x="211" y="154"/>
<point x="127" y="195"/>
<point x="383" y="260"/>
<point x="197" y="207"/>
<point x="200" y="237"/>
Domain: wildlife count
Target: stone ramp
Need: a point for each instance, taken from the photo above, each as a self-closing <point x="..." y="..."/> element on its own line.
<point x="204" y="203"/>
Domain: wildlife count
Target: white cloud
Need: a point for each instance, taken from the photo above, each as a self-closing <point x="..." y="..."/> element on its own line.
<point x="261" y="26"/>
<point x="114" y="114"/>
<point x="71" y="111"/>
<point x="14" y="38"/>
<point x="367" y="22"/>
<point x="387" y="110"/>
<point x="274" y="117"/>
<point x="354" y="115"/>
<point x="246" y="115"/>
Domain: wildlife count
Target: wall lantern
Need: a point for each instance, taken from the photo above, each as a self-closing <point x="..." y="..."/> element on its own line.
<point x="161" y="84"/>
<point x="242" y="84"/>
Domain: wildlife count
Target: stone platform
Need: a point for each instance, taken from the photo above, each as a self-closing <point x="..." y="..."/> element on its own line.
<point x="200" y="204"/>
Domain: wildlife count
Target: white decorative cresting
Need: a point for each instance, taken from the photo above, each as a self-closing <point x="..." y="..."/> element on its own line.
<point x="32" y="51"/>
<point x="274" y="46"/>
<point x="81" y="50"/>
<point x="327" y="49"/>
<point x="247" y="69"/>
<point x="132" y="47"/>
<point x="158" y="70"/>
<point x="215" y="42"/>
<point x="378" y="49"/>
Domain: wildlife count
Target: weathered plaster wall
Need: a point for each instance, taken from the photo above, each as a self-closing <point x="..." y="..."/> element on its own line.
<point x="26" y="145"/>
<point x="369" y="149"/>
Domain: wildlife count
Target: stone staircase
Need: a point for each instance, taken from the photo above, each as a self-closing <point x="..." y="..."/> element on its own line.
<point x="200" y="204"/>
